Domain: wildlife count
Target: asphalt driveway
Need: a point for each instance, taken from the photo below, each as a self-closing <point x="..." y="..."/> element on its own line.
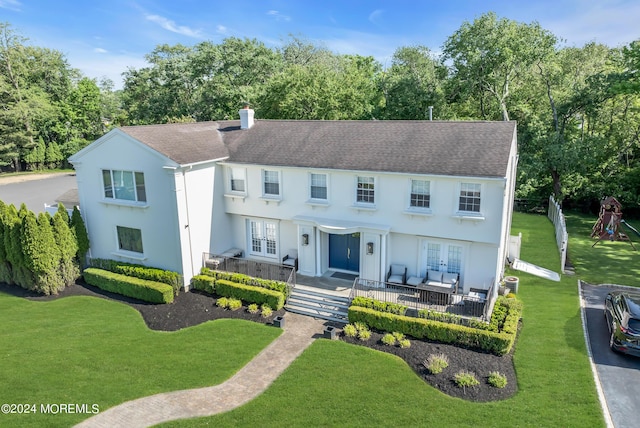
<point x="619" y="374"/>
<point x="37" y="190"/>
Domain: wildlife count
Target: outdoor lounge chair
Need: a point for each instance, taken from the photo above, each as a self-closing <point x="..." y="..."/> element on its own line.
<point x="291" y="259"/>
<point x="397" y="274"/>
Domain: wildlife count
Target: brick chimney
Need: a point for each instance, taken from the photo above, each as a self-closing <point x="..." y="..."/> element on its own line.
<point x="246" y="117"/>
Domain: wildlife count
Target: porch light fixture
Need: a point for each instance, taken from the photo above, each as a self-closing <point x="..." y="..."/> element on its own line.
<point x="369" y="247"/>
<point x="305" y="239"/>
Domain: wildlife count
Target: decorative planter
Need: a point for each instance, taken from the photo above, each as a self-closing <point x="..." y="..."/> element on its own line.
<point x="511" y="282"/>
<point x="330" y="333"/>
<point x="278" y="321"/>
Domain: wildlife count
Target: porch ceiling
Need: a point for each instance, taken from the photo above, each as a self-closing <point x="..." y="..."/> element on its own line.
<point x="341" y="227"/>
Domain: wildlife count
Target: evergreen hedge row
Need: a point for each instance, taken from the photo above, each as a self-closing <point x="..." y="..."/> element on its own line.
<point x="250" y="293"/>
<point x="143" y="289"/>
<point x="140" y="271"/>
<point x="204" y="283"/>
<point x="240" y="278"/>
<point x="378" y="305"/>
<point x="421" y="328"/>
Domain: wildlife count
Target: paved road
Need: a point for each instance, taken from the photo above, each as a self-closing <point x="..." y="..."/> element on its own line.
<point x="619" y="374"/>
<point x="35" y="191"/>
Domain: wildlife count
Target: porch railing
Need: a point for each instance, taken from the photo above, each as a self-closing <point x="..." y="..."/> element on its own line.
<point x="421" y="298"/>
<point x="263" y="270"/>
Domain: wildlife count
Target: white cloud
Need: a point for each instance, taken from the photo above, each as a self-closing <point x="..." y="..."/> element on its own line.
<point x="10" y="5"/>
<point x="100" y="50"/>
<point x="374" y="17"/>
<point x="170" y="25"/>
<point x="278" y="16"/>
<point x="221" y="29"/>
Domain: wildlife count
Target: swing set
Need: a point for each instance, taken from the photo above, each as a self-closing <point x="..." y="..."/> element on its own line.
<point x="608" y="224"/>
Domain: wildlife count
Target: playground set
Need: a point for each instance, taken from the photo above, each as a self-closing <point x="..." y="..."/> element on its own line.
<point x="608" y="224"/>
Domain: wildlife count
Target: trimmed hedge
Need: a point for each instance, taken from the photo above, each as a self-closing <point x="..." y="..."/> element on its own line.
<point x="140" y="271"/>
<point x="149" y="291"/>
<point x="240" y="278"/>
<point x="420" y="328"/>
<point x="250" y="293"/>
<point x="378" y="305"/>
<point x="204" y="283"/>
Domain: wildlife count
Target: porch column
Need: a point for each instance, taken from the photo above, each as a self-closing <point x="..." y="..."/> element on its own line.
<point x="318" y="253"/>
<point x="383" y="257"/>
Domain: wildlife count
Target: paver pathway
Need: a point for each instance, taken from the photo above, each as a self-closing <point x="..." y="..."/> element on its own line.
<point x="245" y="385"/>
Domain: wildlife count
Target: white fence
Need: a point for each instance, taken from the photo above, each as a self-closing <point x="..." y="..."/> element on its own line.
<point x="562" y="237"/>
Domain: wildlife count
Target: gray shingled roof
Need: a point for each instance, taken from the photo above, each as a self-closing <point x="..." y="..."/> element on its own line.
<point x="418" y="147"/>
<point x="183" y="143"/>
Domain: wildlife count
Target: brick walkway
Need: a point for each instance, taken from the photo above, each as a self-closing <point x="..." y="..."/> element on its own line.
<point x="245" y="385"/>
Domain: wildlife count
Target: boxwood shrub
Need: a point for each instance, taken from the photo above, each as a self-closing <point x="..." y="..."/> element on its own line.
<point x="139" y="271"/>
<point x="204" y="283"/>
<point x="421" y="328"/>
<point x="367" y="302"/>
<point x="249" y="293"/>
<point x="240" y="278"/>
<point x="149" y="291"/>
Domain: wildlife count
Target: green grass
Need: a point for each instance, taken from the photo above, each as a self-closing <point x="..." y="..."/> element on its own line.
<point x="89" y="350"/>
<point x="606" y="263"/>
<point x="337" y="384"/>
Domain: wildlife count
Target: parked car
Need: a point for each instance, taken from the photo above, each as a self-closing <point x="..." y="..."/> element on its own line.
<point x="622" y="311"/>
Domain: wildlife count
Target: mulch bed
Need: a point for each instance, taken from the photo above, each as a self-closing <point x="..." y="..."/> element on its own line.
<point x="193" y="308"/>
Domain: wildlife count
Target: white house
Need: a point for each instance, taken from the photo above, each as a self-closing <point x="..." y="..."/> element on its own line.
<point x="351" y="196"/>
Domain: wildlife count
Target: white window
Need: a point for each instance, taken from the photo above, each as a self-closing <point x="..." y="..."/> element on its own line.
<point x="129" y="239"/>
<point x="365" y="190"/>
<point x="263" y="238"/>
<point x="237" y="180"/>
<point x="124" y="185"/>
<point x="469" y="197"/>
<point x="318" y="186"/>
<point x="420" y="194"/>
<point x="271" y="183"/>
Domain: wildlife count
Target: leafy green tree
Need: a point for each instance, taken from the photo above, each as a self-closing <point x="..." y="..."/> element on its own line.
<point x="68" y="246"/>
<point x="41" y="254"/>
<point x="53" y="155"/>
<point x="80" y="231"/>
<point x="35" y="159"/>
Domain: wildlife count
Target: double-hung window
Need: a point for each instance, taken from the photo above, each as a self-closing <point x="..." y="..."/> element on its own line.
<point x="365" y="190"/>
<point x="469" y="197"/>
<point x="420" y="194"/>
<point x="124" y="185"/>
<point x="237" y="180"/>
<point x="271" y="184"/>
<point x="318" y="186"/>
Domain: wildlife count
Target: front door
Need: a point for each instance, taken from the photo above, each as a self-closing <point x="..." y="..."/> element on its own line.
<point x="344" y="252"/>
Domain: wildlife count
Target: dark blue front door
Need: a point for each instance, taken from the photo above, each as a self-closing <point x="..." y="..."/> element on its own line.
<point x="344" y="252"/>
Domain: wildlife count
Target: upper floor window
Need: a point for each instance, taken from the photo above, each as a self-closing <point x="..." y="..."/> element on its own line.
<point x="125" y="185"/>
<point x="420" y="194"/>
<point x="271" y="183"/>
<point x="237" y="180"/>
<point x="469" y="197"/>
<point x="365" y="192"/>
<point x="318" y="186"/>
<point x="129" y="239"/>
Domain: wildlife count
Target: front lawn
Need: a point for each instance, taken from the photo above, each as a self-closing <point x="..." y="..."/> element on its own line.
<point x="85" y="350"/>
<point x="337" y="384"/>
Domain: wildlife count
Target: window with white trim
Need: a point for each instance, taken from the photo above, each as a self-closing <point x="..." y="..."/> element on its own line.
<point x="129" y="239"/>
<point x="124" y="185"/>
<point x="469" y="197"/>
<point x="420" y="194"/>
<point x="318" y="186"/>
<point x="365" y="190"/>
<point x="270" y="183"/>
<point x="237" y="180"/>
<point x="263" y="238"/>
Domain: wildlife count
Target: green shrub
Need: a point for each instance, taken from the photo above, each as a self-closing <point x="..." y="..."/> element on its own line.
<point x="388" y="339"/>
<point x="465" y="379"/>
<point x="140" y="271"/>
<point x="234" y="304"/>
<point x="497" y="379"/>
<point x="203" y="283"/>
<point x="250" y="293"/>
<point x="222" y="302"/>
<point x="364" y="335"/>
<point x="436" y="363"/>
<point x="404" y="343"/>
<point x="440" y="316"/>
<point x="266" y="310"/>
<point x="367" y="302"/>
<point x="268" y="284"/>
<point x="149" y="291"/>
<point x="399" y="336"/>
<point x="350" y="330"/>
<point x="253" y="308"/>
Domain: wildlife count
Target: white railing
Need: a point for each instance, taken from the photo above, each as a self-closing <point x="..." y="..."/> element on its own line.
<point x="562" y="237"/>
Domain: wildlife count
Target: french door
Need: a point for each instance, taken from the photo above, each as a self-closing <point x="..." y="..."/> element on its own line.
<point x="442" y="257"/>
<point x="263" y="238"/>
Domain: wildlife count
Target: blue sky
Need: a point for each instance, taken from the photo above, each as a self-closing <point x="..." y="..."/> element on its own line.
<point x="104" y="38"/>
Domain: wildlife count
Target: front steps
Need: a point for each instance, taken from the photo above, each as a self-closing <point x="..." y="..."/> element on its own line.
<point x="318" y="304"/>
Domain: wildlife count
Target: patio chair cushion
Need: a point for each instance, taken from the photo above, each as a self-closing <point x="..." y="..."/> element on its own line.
<point x="449" y="278"/>
<point x="434" y="277"/>
<point x="397" y="274"/>
<point x="397" y="270"/>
